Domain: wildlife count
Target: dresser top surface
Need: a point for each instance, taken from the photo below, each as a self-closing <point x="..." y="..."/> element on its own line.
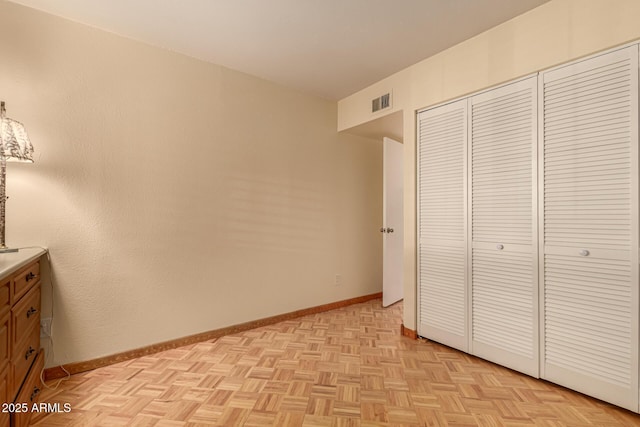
<point x="12" y="261"/>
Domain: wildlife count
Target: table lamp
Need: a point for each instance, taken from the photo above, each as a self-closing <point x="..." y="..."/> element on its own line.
<point x="14" y="146"/>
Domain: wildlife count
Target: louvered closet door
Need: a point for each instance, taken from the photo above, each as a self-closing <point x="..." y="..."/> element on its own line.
<point x="441" y="224"/>
<point x="504" y="285"/>
<point x="589" y="222"/>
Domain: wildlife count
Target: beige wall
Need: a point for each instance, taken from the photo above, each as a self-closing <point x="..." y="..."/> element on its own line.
<point x="177" y="196"/>
<point x="553" y="33"/>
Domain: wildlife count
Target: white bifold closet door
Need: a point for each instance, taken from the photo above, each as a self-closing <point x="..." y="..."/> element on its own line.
<point x="503" y="227"/>
<point x="589" y="226"/>
<point x="442" y="138"/>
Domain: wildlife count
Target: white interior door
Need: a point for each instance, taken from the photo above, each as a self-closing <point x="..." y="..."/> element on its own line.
<point x="442" y="241"/>
<point x="589" y="222"/>
<point x="503" y="229"/>
<point x="392" y="217"/>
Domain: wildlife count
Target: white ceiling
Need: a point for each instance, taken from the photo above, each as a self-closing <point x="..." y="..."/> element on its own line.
<point x="330" y="48"/>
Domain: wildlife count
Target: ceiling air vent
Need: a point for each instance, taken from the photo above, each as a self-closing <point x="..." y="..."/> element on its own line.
<point x="381" y="103"/>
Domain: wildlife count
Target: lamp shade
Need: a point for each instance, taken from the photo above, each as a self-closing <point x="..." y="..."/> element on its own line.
<point x="15" y="144"/>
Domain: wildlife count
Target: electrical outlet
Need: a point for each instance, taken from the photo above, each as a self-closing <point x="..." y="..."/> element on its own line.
<point x="338" y="279"/>
<point x="45" y="327"/>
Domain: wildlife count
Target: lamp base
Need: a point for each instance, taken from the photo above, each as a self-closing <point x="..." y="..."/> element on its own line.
<point x="7" y="250"/>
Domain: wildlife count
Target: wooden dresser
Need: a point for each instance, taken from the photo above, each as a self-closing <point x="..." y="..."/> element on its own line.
<point x="21" y="359"/>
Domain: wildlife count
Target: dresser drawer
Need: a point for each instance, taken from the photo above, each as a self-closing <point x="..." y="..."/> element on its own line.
<point x="5" y="340"/>
<point x="4" y="395"/>
<point x="23" y="357"/>
<point x="5" y="296"/>
<point x="24" y="280"/>
<point x="25" y="315"/>
<point x="30" y="392"/>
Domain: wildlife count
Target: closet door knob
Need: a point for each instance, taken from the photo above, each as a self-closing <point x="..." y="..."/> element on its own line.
<point x="389" y="230"/>
<point x="584" y="252"/>
<point x="500" y="246"/>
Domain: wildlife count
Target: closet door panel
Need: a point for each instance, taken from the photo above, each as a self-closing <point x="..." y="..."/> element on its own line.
<point x="502" y="307"/>
<point x="441" y="224"/>
<point x="504" y="290"/>
<point x="589" y="217"/>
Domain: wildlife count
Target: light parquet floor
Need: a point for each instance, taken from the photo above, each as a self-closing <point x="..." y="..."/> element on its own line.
<point x="347" y="367"/>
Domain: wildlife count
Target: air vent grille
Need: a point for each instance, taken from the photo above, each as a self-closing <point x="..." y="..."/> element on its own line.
<point x="381" y="103"/>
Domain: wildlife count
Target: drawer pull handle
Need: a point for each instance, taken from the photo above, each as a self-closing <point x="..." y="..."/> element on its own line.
<point x="30" y="276"/>
<point x="31" y="312"/>
<point x="584" y="252"/>
<point x="36" y="391"/>
<point x="29" y="353"/>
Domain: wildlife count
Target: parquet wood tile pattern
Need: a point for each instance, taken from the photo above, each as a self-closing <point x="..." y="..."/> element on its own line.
<point x="346" y="367"/>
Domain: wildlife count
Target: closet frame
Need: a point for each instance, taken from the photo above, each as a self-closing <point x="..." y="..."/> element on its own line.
<point x="538" y="212"/>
